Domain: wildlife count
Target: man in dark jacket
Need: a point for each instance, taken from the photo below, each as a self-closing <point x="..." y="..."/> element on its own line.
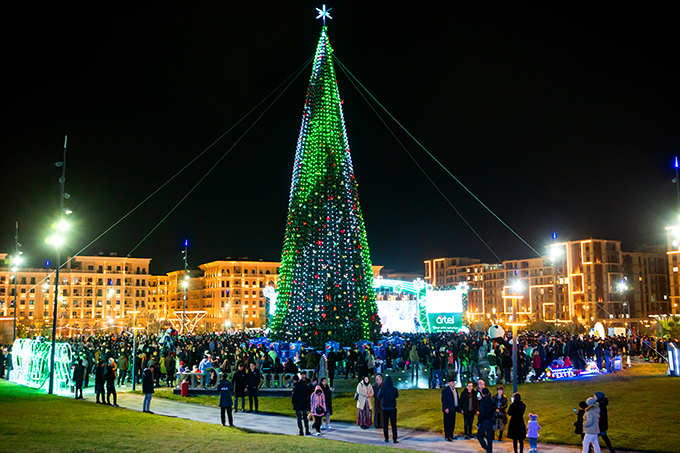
<point x="485" y="421"/>
<point x="225" y="388"/>
<point x="604" y="419"/>
<point x="110" y="378"/>
<point x="469" y="406"/>
<point x="301" y="403"/>
<point x="147" y="388"/>
<point x="239" y="381"/>
<point x="450" y="407"/>
<point x="388" y="395"/>
<point x="99" y="382"/>
<point x="78" y="377"/>
<point x="253" y="379"/>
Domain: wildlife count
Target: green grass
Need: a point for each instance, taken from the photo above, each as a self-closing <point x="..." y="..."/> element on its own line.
<point x="641" y="400"/>
<point x="31" y="421"/>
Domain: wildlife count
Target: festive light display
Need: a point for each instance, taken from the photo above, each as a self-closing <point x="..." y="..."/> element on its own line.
<point x="325" y="280"/>
<point x="31" y="365"/>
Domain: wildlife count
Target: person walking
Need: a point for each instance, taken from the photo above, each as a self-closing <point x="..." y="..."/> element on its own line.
<point x="110" y="379"/>
<point x="240" y="385"/>
<point x="318" y="404"/>
<point x="78" y="376"/>
<point x="388" y="395"/>
<point x="99" y="382"/>
<point x="123" y="365"/>
<point x="377" y="405"/>
<point x="170" y="369"/>
<point x="532" y="433"/>
<point x="225" y="388"/>
<point x="603" y="423"/>
<point x="363" y="396"/>
<point x="300" y="401"/>
<point x="253" y="380"/>
<point x="147" y="388"/>
<point x="328" y="397"/>
<point x="469" y="405"/>
<point x="591" y="427"/>
<point x="578" y="424"/>
<point x="500" y="417"/>
<point x="517" y="431"/>
<point x="450" y="406"/>
<point x="485" y="421"/>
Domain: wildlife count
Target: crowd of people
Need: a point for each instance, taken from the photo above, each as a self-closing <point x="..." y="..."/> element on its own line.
<point x="238" y="369"/>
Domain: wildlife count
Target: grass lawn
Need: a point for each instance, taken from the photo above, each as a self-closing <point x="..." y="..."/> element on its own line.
<point x="31" y="421"/>
<point x="641" y="400"/>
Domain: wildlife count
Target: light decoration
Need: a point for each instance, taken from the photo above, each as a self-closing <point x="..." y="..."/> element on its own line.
<point x="31" y="364"/>
<point x="325" y="280"/>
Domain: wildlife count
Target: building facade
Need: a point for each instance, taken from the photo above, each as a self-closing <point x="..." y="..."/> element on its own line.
<point x="96" y="294"/>
<point x="577" y="281"/>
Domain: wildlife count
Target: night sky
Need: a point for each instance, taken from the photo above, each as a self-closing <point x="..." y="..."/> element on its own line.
<point x="557" y="118"/>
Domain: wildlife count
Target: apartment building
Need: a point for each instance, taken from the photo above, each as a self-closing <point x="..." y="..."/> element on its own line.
<point x="95" y="293"/>
<point x="574" y="280"/>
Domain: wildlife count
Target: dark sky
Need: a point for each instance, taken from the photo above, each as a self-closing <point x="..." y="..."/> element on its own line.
<point x="558" y="118"/>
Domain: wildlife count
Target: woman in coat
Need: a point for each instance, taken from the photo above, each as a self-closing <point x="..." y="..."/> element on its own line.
<point x="364" y="393"/>
<point x="328" y="396"/>
<point x="318" y="407"/>
<point x="517" y="430"/>
<point x="500" y="418"/>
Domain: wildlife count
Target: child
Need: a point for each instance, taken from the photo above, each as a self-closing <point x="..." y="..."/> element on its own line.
<point x="532" y="433"/>
<point x="578" y="424"/>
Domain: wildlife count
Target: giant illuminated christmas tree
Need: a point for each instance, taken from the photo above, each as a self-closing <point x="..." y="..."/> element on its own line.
<point x="325" y="281"/>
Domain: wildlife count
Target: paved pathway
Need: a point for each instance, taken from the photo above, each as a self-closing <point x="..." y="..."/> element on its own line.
<point x="277" y="424"/>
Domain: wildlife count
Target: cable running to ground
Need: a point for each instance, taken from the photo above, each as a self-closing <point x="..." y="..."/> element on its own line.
<point x="219" y="160"/>
<point x="353" y="77"/>
<point x="295" y="74"/>
<point x="419" y="166"/>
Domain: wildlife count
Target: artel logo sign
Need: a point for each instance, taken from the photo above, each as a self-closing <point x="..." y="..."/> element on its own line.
<point x="445" y="320"/>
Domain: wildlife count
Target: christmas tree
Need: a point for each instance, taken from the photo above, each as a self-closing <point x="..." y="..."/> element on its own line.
<point x="325" y="287"/>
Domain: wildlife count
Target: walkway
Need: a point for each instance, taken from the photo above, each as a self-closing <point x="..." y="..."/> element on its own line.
<point x="277" y="424"/>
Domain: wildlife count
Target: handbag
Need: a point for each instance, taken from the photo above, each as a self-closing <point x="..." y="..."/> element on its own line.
<point x="319" y="410"/>
<point x="356" y="396"/>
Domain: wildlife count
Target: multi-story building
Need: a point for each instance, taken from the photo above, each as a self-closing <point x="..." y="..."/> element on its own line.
<point x="95" y="293"/>
<point x="574" y="281"/>
<point x="647" y="283"/>
<point x="672" y="252"/>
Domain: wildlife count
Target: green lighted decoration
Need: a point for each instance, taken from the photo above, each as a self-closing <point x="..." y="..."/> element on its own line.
<point x="31" y="365"/>
<point x="325" y="281"/>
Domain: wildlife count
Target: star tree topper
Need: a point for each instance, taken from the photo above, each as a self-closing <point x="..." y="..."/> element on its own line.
<point x="324" y="13"/>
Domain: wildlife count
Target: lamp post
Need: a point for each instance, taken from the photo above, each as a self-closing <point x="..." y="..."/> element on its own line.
<point x="516" y="287"/>
<point x="58" y="240"/>
<point x="623" y="287"/>
<point x="15" y="268"/>
<point x="555" y="252"/>
<point x="134" y="347"/>
<point x="185" y="284"/>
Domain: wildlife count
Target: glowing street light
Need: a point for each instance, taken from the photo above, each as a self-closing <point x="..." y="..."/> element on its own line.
<point x="58" y="240"/>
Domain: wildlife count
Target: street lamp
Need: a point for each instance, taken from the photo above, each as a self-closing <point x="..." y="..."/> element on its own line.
<point x="15" y="268"/>
<point x="134" y="347"/>
<point x="57" y="240"/>
<point x="623" y="287"/>
<point x="555" y="253"/>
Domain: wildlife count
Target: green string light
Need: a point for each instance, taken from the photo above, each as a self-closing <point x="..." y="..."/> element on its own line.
<point x="325" y="287"/>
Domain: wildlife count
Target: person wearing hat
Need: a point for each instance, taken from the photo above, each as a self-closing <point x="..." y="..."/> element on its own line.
<point x="603" y="423"/>
<point x="591" y="428"/>
<point x="225" y="389"/>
